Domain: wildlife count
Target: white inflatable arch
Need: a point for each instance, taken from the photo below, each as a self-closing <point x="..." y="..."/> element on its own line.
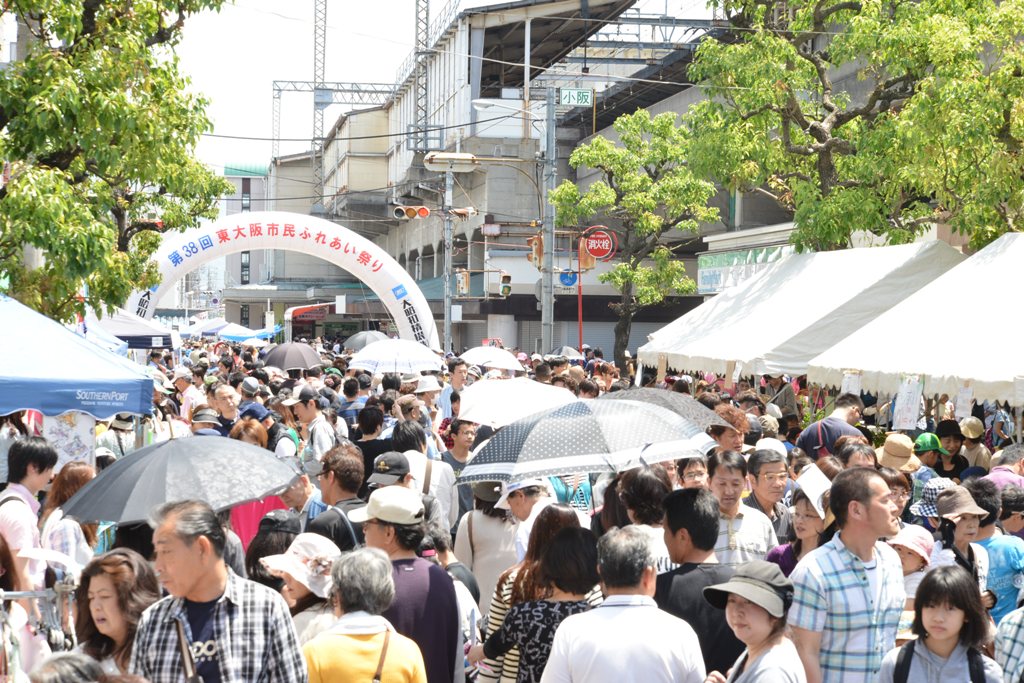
<point x="180" y="253"/>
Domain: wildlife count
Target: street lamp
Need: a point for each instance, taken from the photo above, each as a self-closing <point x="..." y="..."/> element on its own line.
<point x="547" y="300"/>
<point x="449" y="164"/>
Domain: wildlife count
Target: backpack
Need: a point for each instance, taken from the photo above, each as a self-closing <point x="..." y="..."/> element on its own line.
<point x="902" y="671"/>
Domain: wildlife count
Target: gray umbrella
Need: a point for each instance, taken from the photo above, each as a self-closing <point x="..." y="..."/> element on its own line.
<point x="222" y="472"/>
<point x="293" y="356"/>
<point x="567" y="352"/>
<point x="360" y="339"/>
<point x="681" y="404"/>
<point x="584" y="437"/>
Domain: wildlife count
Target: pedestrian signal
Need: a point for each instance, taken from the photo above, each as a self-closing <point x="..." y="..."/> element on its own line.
<point x="405" y="213"/>
<point x="506" y="286"/>
<point x="462" y="282"/>
<point x="536" y="253"/>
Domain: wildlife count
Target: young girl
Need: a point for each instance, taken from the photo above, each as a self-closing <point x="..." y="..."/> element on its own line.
<point x="807" y="529"/>
<point x="951" y="626"/>
<point x="914" y="546"/>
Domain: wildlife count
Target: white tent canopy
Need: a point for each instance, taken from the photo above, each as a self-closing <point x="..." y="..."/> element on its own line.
<point x="788" y="313"/>
<point x="915" y="337"/>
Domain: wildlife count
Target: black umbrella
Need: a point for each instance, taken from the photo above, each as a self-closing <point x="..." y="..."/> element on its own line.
<point x="293" y="356"/>
<point x="222" y="472"/>
<point x="681" y="404"/>
<point x="584" y="437"/>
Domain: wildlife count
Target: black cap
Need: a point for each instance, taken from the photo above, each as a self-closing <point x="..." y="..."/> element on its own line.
<point x="306" y="393"/>
<point x="281" y="520"/>
<point x="388" y="468"/>
<point x="948" y="428"/>
<point x="365" y="381"/>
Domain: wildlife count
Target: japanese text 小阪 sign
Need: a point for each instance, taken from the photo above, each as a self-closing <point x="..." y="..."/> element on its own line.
<point x="576" y="97"/>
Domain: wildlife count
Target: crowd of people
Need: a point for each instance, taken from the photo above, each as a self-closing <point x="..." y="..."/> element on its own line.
<point x="796" y="550"/>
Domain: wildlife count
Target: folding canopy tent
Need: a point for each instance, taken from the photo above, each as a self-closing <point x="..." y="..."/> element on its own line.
<point x="780" y="318"/>
<point x="913" y="336"/>
<point x="205" y="327"/>
<point x="46" y="367"/>
<point x="138" y="332"/>
<point x="235" y="332"/>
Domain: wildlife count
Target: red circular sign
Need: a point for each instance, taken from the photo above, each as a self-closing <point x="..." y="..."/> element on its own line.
<point x="600" y="244"/>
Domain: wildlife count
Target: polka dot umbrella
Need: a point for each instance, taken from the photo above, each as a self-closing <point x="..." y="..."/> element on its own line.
<point x="585" y="437"/>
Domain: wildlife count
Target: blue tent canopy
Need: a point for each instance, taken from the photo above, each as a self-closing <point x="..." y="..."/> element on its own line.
<point x="46" y="367"/>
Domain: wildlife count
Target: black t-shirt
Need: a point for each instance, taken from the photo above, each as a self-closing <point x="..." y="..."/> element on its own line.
<point x="957" y="466"/>
<point x="371" y="449"/>
<point x="205" y="649"/>
<point x="330" y="524"/>
<point x="680" y="592"/>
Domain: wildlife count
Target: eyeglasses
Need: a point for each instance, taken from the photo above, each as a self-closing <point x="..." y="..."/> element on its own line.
<point x="695" y="476"/>
<point x="775" y="478"/>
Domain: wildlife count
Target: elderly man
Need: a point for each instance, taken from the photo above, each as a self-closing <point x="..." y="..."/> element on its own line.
<point x="849" y="592"/>
<point x="425" y="607"/>
<point x="238" y="631"/>
<point x="628" y="638"/>
<point x="768" y="476"/>
<point x="361" y="645"/>
<point x="190" y="395"/>
<point x="744" y="533"/>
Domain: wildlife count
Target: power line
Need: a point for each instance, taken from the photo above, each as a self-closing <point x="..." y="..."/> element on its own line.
<point x="360" y="137"/>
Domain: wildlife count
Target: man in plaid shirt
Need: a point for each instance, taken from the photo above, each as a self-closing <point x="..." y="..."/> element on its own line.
<point x="849" y="592"/>
<point x="237" y="631"/>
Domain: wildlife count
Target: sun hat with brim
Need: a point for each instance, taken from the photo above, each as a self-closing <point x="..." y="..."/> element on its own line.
<point x="926" y="506"/>
<point x="972" y="428"/>
<point x="955" y="502"/>
<point x="507" y="489"/>
<point x="929" y="442"/>
<point x="308" y="560"/>
<point x="760" y="582"/>
<point x="489" y="491"/>
<point x="427" y="383"/>
<point x="898" y="453"/>
<point x="915" y="539"/>
<point x="122" y="421"/>
<point x="391" y="504"/>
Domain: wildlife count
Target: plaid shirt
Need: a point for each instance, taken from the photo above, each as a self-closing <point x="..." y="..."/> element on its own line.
<point x="1010" y="645"/>
<point x="255" y="638"/>
<point x="833" y="597"/>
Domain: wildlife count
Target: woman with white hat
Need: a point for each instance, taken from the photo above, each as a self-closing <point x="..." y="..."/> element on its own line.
<point x="755" y="601"/>
<point x="305" y="569"/>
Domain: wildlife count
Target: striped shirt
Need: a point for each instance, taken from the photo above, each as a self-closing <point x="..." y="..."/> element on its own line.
<point x="1010" y="645"/>
<point x="747" y="536"/>
<point x="834" y="596"/>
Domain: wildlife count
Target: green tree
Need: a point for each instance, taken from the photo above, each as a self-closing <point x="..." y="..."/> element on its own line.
<point x="650" y="196"/>
<point x="882" y="116"/>
<point x="99" y="131"/>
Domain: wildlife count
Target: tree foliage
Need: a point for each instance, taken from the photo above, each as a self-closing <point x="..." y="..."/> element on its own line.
<point x="98" y="130"/>
<point x="882" y="116"/>
<point x="648" y="193"/>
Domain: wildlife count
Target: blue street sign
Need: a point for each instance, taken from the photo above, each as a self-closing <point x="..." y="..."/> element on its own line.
<point x="568" y="278"/>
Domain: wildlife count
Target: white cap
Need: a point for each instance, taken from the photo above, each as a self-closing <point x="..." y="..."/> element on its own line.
<point x="506" y="489"/>
<point x="391" y="504"/>
<point x="770" y="444"/>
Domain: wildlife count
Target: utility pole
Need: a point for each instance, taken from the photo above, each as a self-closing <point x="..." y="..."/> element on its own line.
<point x="449" y="182"/>
<point x="547" y="303"/>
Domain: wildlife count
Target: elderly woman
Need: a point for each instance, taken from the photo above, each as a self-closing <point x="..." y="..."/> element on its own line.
<point x="363" y="645"/>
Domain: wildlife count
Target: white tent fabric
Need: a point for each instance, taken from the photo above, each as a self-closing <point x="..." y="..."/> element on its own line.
<point x="914" y="337"/>
<point x="235" y="332"/>
<point x="788" y="313"/>
<point x="137" y="331"/>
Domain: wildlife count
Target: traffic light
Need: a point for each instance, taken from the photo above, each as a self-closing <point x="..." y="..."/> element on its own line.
<point x="587" y="261"/>
<point x="536" y="253"/>
<point x="462" y="282"/>
<point x="405" y="213"/>
<point x="506" y="285"/>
